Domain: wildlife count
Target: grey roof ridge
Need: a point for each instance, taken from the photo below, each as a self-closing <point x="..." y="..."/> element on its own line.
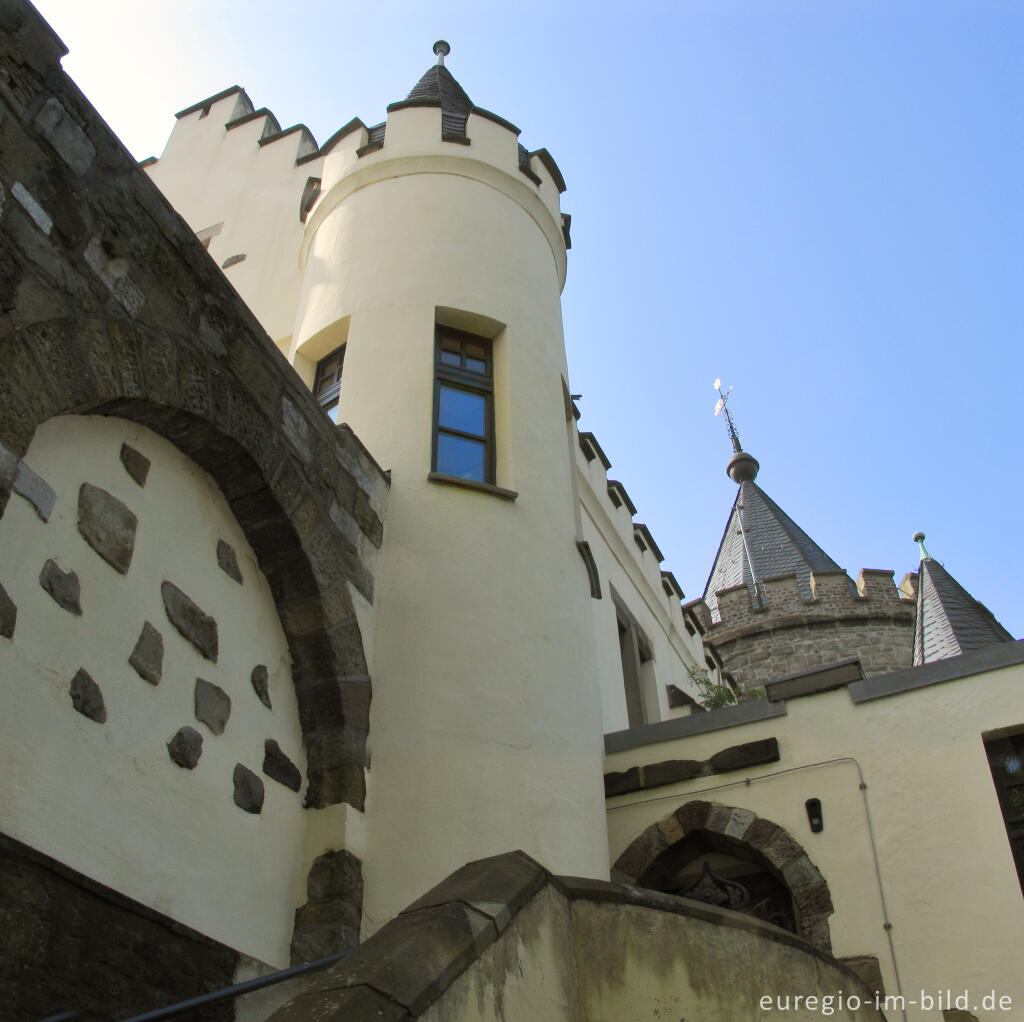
<point x="978" y="661"/>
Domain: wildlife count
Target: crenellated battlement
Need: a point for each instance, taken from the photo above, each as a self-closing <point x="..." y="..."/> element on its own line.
<point x="419" y="136"/>
<point x="621" y="511"/>
<point x="774" y="631"/>
<point x="834" y="594"/>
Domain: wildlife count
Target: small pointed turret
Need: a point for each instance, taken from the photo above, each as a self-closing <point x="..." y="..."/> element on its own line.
<point x="949" y="620"/>
<point x="438" y="87"/>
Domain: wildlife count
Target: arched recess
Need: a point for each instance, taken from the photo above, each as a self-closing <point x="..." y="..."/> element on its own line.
<point x="698" y="829"/>
<point x="297" y="485"/>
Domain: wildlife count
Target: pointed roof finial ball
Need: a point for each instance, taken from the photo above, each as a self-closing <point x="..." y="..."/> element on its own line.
<point x="442" y="49"/>
<point x="742" y="467"/>
<point x="919" y="540"/>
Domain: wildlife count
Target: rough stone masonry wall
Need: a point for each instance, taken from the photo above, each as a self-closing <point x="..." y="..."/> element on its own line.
<point x="109" y="305"/>
<point x="51" y="959"/>
<point x="789" y="634"/>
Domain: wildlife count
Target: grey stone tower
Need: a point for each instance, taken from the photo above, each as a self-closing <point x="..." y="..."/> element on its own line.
<point x="776" y="604"/>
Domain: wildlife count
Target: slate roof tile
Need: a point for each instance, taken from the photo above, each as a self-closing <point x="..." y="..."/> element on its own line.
<point x="949" y="620"/>
<point x="777" y="545"/>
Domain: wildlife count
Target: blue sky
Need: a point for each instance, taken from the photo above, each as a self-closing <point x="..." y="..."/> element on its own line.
<point x="819" y="202"/>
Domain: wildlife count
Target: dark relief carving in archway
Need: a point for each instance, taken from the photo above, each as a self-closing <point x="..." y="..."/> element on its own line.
<point x="778" y="866"/>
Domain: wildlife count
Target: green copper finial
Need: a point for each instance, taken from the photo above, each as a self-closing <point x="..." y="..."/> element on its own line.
<point x="442" y="49"/>
<point x="919" y="540"/>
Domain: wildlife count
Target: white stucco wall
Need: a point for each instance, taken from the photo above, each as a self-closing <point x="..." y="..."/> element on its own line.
<point x="635" y="576"/>
<point x="105" y="798"/>
<point x="212" y="175"/>
<point x="485" y="724"/>
<point x="953" y="896"/>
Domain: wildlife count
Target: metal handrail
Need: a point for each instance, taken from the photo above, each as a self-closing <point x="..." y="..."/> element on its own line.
<point x="172" y="1010"/>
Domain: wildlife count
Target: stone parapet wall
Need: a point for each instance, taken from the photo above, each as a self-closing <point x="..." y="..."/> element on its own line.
<point x="52" y="961"/>
<point x="781" y="633"/>
<point x="503" y="939"/>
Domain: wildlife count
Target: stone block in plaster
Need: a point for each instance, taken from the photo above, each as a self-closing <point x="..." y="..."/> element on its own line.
<point x="198" y="627"/>
<point x="260" y="681"/>
<point x="249" y="790"/>
<point x="63" y="586"/>
<point x="36" y="490"/>
<point x="87" y="698"/>
<point x="186" y="747"/>
<point x="107" y="525"/>
<point x="135" y="464"/>
<point x="148" y="655"/>
<point x="212" y="705"/>
<point x="8" y="614"/>
<point x="228" y="560"/>
<point x="278" y="766"/>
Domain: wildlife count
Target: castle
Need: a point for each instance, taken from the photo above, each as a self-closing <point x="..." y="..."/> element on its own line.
<point x="324" y="628"/>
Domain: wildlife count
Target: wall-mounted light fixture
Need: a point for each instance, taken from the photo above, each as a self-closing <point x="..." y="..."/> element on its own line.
<point x="814" y="817"/>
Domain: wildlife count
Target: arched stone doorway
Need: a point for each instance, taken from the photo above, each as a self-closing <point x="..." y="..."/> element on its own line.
<point x="733" y="858"/>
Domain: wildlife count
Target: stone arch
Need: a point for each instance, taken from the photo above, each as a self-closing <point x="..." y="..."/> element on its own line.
<point x="301" y="488"/>
<point x="746" y="835"/>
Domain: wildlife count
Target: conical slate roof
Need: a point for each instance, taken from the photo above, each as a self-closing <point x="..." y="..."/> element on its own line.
<point x="949" y="620"/>
<point x="774" y="542"/>
<point x="439" y="86"/>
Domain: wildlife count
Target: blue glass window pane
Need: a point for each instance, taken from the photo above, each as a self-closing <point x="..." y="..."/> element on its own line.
<point x="457" y="456"/>
<point x="462" y="410"/>
<point x="451" y="358"/>
<point x="476" y="365"/>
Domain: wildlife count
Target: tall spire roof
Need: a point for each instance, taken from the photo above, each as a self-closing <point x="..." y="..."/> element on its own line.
<point x="760" y="541"/>
<point x="949" y="620"/>
<point x="438" y="87"/>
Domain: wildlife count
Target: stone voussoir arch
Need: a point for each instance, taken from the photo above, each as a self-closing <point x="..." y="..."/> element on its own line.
<point x="300" y="487"/>
<point x="737" y="829"/>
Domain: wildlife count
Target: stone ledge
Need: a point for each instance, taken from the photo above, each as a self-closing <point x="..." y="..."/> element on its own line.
<point x="654" y="775"/>
<point x="472" y="484"/>
<point x="497" y="887"/>
<point x="819" y="679"/>
<point x="695" y="724"/>
<point x="1004" y="654"/>
<point x="409" y="963"/>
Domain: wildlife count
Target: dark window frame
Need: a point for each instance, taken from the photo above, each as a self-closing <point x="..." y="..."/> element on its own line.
<point x="469" y="381"/>
<point x="998" y="750"/>
<point x="635" y="651"/>
<point x="328" y="399"/>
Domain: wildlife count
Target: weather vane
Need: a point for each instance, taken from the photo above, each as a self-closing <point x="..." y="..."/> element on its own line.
<point x="720" y="406"/>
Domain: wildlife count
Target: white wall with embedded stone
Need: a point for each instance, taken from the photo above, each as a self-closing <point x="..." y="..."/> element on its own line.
<point x="149" y="730"/>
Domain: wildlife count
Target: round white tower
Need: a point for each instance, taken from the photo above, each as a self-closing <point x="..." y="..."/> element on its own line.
<point x="436" y="254"/>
